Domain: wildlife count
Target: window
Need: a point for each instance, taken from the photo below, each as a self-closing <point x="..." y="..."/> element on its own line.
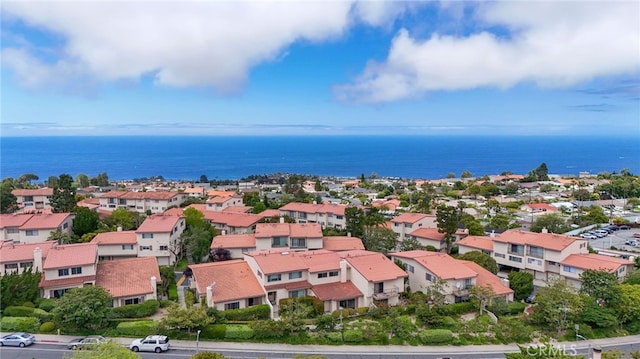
<point x="295" y="275"/>
<point x="410" y="268"/>
<point x="32" y="232"/>
<point x="348" y="303"/>
<point x="147" y="235"/>
<point x="11" y="266"/>
<point x="254" y="301"/>
<point x="498" y="255"/>
<point x="63" y="272"/>
<point x="516" y="248"/>
<point x="146" y="248"/>
<point x="468" y="283"/>
<point x="65" y="225"/>
<point x="57" y="293"/>
<point x="515" y="259"/>
<point x="298" y="242"/>
<point x="279" y="242"/>
<point x="537" y="252"/>
<point x="26" y="264"/>
<point x="333" y="274"/>
<point x="127" y="247"/>
<point x="339" y="217"/>
<point x="274" y="277"/>
<point x="378" y="287"/>
<point x="12" y="230"/>
<point x="132" y="301"/>
<point x="76" y="270"/>
<point x="569" y="269"/>
<point x="234" y="305"/>
<point x="297" y="293"/>
<point x="164" y="248"/>
<point x="272" y="296"/>
<point x="534" y="261"/>
<point x="407" y="225"/>
<point x="428" y="277"/>
<point x="323" y="275"/>
<point x="621" y="270"/>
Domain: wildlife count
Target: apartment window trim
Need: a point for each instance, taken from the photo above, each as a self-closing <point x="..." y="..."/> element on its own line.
<point x="295" y="275"/>
<point x="274" y="277"/>
<point x="232" y="305"/>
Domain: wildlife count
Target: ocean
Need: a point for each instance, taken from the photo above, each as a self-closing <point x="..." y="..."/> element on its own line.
<point x="414" y="157"/>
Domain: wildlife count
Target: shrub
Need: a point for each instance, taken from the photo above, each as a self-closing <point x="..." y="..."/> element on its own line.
<point x="47" y="327"/>
<point x="15" y="311"/>
<point x="172" y="293"/>
<point x="353" y="336"/>
<point x="141" y="310"/>
<point x="165" y="303"/>
<point x="256" y="312"/>
<point x="501" y="309"/>
<point x="214" y="331"/>
<point x="42" y="315"/>
<point x="456" y="308"/>
<point x="268" y="328"/>
<point x="335" y="337"/>
<point x="436" y="336"/>
<point x="137" y="329"/>
<point x="207" y="355"/>
<point x="28" y="305"/>
<point x="19" y="324"/>
<point x="314" y="302"/>
<point x="238" y="331"/>
<point x="47" y="304"/>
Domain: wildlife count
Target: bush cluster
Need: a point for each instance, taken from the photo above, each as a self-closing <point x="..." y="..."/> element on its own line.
<point x="19" y="324"/>
<point x="141" y="310"/>
<point x="255" y="312"/>
<point x="317" y="304"/>
<point x="140" y="328"/>
<point x="436" y="336"/>
<point x="456" y="308"/>
<point x="47" y="327"/>
<point x="268" y="328"/>
<point x="353" y="336"/>
<point x="238" y="331"/>
<point x="18" y="311"/>
<point x="507" y="309"/>
<point x="47" y="304"/>
<point x="214" y="331"/>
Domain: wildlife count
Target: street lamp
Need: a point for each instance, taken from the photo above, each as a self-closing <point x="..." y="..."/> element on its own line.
<point x="198" y="341"/>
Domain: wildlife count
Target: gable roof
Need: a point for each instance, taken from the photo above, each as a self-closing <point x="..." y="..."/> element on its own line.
<point x="128" y="277"/>
<point x="158" y="224"/>
<point x="595" y="262"/>
<point x="336" y="291"/>
<point x="295" y="230"/>
<point x="233" y="280"/>
<point x="551" y="241"/>
<point x="477" y="242"/>
<point x="10" y="252"/>
<point x="409" y="217"/>
<point x="70" y="255"/>
<point x="46" y="221"/>
<point x="342" y="243"/>
<point x="373" y="266"/>
<point x="232" y="219"/>
<point x="486" y="278"/>
<point x="149" y="195"/>
<point x="118" y="237"/>
<point x="274" y="262"/>
<point x="46" y="191"/>
<point x="542" y="206"/>
<point x="14" y="219"/>
<point x="234" y="241"/>
<point x="442" y="265"/>
<point x="428" y="233"/>
<point x="336" y="209"/>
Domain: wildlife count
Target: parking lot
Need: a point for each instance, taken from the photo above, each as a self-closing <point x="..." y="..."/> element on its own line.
<point x="617" y="239"/>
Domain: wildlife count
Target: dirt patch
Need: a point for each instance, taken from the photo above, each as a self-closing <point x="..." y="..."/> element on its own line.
<point x="468" y="317"/>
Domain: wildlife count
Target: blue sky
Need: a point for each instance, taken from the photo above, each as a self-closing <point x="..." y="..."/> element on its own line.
<point x="320" y="68"/>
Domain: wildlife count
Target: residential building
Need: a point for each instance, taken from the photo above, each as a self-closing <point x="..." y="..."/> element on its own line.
<point x="429" y="237"/>
<point x="10" y="225"/>
<point x="236" y="244"/>
<point x="196" y="192"/>
<point x="404" y="224"/>
<point x="575" y="264"/>
<point x="220" y="203"/>
<point x="116" y="245"/>
<point x="326" y="215"/>
<point x="475" y="243"/>
<point x="232" y="222"/>
<point x="158" y="236"/>
<point x="293" y="236"/>
<point x="142" y="202"/>
<point x="129" y="281"/>
<point x="499" y="286"/>
<point x="16" y="258"/>
<point x="33" y="200"/>
<point x="40" y="226"/>
<point x="342" y="243"/>
<point x="227" y="285"/>
<point x="67" y="266"/>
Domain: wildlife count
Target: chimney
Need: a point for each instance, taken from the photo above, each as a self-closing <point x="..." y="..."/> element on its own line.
<point x="544" y="230"/>
<point x="493" y="234"/>
<point x="154" y="284"/>
<point x="210" y="294"/>
<point x="37" y="259"/>
<point x="119" y="229"/>
<point x="223" y="232"/>
<point x="348" y="234"/>
<point x="343" y="271"/>
<point x="281" y="219"/>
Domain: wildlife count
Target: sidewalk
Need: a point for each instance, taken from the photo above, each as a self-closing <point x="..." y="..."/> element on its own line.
<point x="339" y="349"/>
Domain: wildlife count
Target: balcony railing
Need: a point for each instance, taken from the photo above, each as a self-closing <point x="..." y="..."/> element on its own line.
<point x="389" y="293"/>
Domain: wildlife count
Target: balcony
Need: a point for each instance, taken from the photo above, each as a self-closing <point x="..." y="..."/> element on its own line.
<point x="389" y="293"/>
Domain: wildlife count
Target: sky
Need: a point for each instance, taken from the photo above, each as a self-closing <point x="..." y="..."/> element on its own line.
<point x="332" y="67"/>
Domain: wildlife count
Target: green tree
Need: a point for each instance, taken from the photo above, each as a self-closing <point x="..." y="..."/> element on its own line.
<point x="600" y="285"/>
<point x="63" y="199"/>
<point x="556" y="305"/>
<point x="294" y="312"/>
<point x="86" y="221"/>
<point x="521" y="283"/>
<point x="553" y="222"/>
<point x="83" y="308"/>
<point x="197" y="241"/>
<point x="8" y="202"/>
<point x="379" y="239"/>
<point x="354" y="221"/>
<point x="628" y="305"/>
<point x="82" y="180"/>
<point x="466" y="174"/>
<point x="595" y="215"/>
<point x="168" y="277"/>
<point x="108" y="350"/>
<point x="24" y="181"/>
<point x="123" y="218"/>
<point x="411" y="244"/>
<point x="60" y="237"/>
<point x="101" y="180"/>
<point x="482" y="296"/>
<point x="189" y="318"/>
<point x="633" y="277"/>
<point x="447" y="220"/>
<point x="52" y="181"/>
<point x="482" y="259"/>
<point x="501" y="221"/>
<point x="17" y="289"/>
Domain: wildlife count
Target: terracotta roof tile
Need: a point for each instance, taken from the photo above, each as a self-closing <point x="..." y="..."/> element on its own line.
<point x="69" y="255"/>
<point x="113" y="194"/>
<point x="46" y="221"/>
<point x="14" y="220"/>
<point x="269" y="213"/>
<point x="336" y="209"/>
<point x="542" y="206"/>
<point x="320" y="260"/>
<point x="556" y="242"/>
<point x="10" y="252"/>
<point x="158" y="224"/>
<point x="234" y="241"/>
<point x="428" y="233"/>
<point x="303" y="284"/>
<point x="238" y="209"/>
<point x="231" y="219"/>
<point x="294" y="230"/>
<point x="119" y="237"/>
<point x="233" y="280"/>
<point x="408" y="217"/>
<point x="149" y="195"/>
<point x="336" y="291"/>
<point x="442" y="265"/>
<point x="486" y="278"/>
<point x="175" y="211"/>
<point x="70" y="281"/>
<point x="373" y="266"/>
<point x="128" y="277"/>
<point x="273" y="262"/>
<point x="477" y="242"/>
<point x="33" y="192"/>
<point x="342" y="243"/>
<point x="595" y="262"/>
<point x="214" y="193"/>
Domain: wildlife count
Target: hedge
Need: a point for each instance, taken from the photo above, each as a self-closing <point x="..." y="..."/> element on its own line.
<point x="18" y="311"/>
<point x="140" y="328"/>
<point x="314" y="302"/>
<point x="456" y="308"/>
<point x="268" y="328"/>
<point x="47" y="327"/>
<point x="142" y="310"/>
<point x="255" y="312"/>
<point x="436" y="336"/>
<point x="42" y="315"/>
<point x="172" y="293"/>
<point x="238" y="331"/>
<point x="353" y="336"/>
<point x="47" y="304"/>
<point x="19" y="324"/>
<point x="214" y="331"/>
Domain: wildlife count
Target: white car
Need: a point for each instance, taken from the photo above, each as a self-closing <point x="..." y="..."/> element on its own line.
<point x="152" y="343"/>
<point x="588" y="236"/>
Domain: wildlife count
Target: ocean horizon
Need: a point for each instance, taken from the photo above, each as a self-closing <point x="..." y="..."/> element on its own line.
<point x="236" y="157"/>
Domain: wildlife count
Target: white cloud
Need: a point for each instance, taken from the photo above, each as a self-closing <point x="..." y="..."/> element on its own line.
<point x="195" y="43"/>
<point x="551" y="44"/>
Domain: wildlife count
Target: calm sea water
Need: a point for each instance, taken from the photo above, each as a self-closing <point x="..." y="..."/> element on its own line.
<point x="236" y="157"/>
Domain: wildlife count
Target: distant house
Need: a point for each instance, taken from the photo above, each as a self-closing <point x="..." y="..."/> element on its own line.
<point x="475" y="243"/>
<point x="142" y="202"/>
<point x="231" y="222"/>
<point x="33" y="200"/>
<point x="236" y="244"/>
<point x="342" y="243"/>
<point x="10" y="225"/>
<point x="16" y="258"/>
<point x="220" y="203"/>
<point x="429" y="237"/>
<point x="294" y="236"/>
<point x="404" y="224"/>
<point x="575" y="264"/>
<point x="129" y="281"/>
<point x="39" y="227"/>
<point x="67" y="266"/>
<point x="326" y="215"/>
<point x="116" y="245"/>
<point x="158" y="236"/>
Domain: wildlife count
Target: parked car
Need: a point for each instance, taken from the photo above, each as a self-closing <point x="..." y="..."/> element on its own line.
<point x="531" y="298"/>
<point x="86" y="342"/>
<point x="630" y="242"/>
<point x="17" y="340"/>
<point x="613" y="227"/>
<point x="152" y="343"/>
<point x="588" y="236"/>
<point x="625" y="227"/>
<point x="601" y="232"/>
<point x="636" y="235"/>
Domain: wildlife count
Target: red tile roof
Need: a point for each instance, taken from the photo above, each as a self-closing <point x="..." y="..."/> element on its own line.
<point x="46" y="221"/>
<point x="33" y="192"/>
<point x="320" y="260"/>
<point x="128" y="277"/>
<point x="175" y="211"/>
<point x="238" y="209"/>
<point x="68" y="281"/>
<point x="69" y="255"/>
<point x="336" y="291"/>
<point x="158" y="224"/>
<point x="336" y="209"/>
<point x="233" y="280"/>
<point x="231" y="219"/>
<point x="120" y="237"/>
<point x="486" y="278"/>
<point x="14" y="219"/>
<point x="234" y="241"/>
<point x="428" y="233"/>
<point x="341" y="243"/>
<point x="442" y="265"/>
<point x="408" y="217"/>
<point x="273" y="262"/>
<point x="477" y="242"/>
<point x="269" y="213"/>
<point x="214" y="192"/>
<point x="149" y="195"/>
<point x="294" y="230"/>
<point x="373" y="266"/>
<point x="555" y="242"/>
<point x="542" y="206"/>
<point x="113" y="194"/>
<point x="302" y="284"/>
<point x="10" y="252"/>
<point x="595" y="262"/>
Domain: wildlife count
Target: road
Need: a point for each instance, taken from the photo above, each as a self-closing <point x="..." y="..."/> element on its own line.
<point x="58" y="351"/>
